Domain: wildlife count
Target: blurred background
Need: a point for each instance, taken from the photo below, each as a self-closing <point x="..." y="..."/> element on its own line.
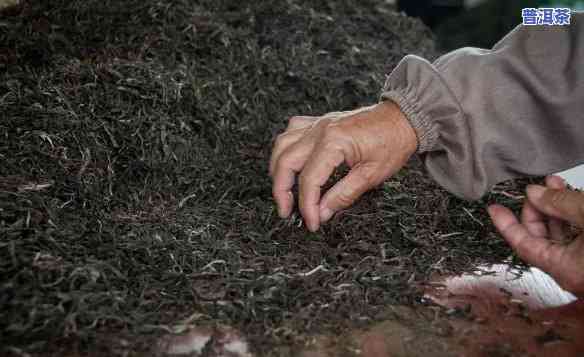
<point x="478" y="23"/>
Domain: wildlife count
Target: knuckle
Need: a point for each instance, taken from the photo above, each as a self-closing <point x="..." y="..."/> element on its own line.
<point x="280" y="138"/>
<point x="284" y="161"/>
<point x="295" y="120"/>
<point x="346" y="197"/>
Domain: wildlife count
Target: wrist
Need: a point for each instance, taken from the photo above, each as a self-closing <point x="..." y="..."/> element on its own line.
<point x="391" y="112"/>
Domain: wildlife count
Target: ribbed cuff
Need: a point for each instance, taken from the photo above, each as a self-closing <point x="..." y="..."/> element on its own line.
<point x="425" y="131"/>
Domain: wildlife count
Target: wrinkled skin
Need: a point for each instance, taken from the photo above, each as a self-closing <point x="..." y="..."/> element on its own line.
<point x="376" y="142"/>
<point x="540" y="235"/>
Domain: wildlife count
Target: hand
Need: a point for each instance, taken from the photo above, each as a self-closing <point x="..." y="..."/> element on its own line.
<point x="545" y="244"/>
<point x="375" y="142"/>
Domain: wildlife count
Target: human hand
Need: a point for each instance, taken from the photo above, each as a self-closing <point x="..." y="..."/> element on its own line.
<point x="375" y="142"/>
<point x="540" y="238"/>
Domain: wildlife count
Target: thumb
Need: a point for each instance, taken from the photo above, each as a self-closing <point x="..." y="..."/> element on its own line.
<point x="345" y="192"/>
<point x="564" y="204"/>
<point x="537" y="251"/>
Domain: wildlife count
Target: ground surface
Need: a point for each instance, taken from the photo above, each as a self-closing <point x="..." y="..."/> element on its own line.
<point x="134" y="199"/>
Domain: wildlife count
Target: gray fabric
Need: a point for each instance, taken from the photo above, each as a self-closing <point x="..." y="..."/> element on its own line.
<point x="484" y="116"/>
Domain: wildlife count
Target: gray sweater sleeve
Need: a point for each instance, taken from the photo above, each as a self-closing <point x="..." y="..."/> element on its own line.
<point x="484" y="116"/>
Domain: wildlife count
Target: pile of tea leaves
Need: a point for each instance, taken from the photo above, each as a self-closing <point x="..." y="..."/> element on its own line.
<point x="134" y="142"/>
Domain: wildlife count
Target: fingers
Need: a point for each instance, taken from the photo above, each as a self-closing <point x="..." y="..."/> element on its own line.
<point x="555" y="225"/>
<point x="535" y="221"/>
<point x="295" y="131"/>
<point x="290" y="162"/>
<point x="372" y="140"/>
<point x="563" y="204"/>
<point x="344" y="193"/>
<point x="536" y="228"/>
<point x="555" y="182"/>
<point x="536" y="251"/>
<point x="283" y="142"/>
<point x="300" y="122"/>
<point x="325" y="158"/>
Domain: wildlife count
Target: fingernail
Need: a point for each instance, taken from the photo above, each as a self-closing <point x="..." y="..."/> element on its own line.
<point x="558" y="178"/>
<point x="281" y="212"/>
<point x="535" y="192"/>
<point x="557" y="181"/>
<point x="284" y="213"/>
<point x="325" y="214"/>
<point x="312" y="227"/>
<point x="492" y="209"/>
